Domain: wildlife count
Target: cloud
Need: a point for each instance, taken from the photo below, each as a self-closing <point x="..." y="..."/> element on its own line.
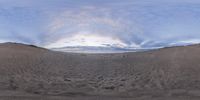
<point x="147" y="24"/>
<point x="137" y="24"/>
<point x="86" y="39"/>
<point x="94" y="21"/>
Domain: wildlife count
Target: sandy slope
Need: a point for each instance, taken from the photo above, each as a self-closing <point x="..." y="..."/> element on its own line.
<point x="169" y="73"/>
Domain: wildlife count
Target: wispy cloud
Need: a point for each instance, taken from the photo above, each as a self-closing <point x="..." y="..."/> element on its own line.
<point x="94" y="20"/>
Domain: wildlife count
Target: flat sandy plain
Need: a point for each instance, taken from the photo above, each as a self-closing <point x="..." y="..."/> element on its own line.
<point x="28" y="72"/>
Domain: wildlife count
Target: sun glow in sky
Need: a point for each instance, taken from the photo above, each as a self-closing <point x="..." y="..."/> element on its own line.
<point x="87" y="39"/>
<point x="106" y="23"/>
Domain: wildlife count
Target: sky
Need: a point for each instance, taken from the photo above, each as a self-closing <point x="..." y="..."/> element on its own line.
<point x="133" y="24"/>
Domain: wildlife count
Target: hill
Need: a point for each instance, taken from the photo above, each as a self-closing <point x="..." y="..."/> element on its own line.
<point x="170" y="71"/>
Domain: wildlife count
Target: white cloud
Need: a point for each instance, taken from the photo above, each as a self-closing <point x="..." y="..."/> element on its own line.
<point x="186" y="42"/>
<point x="87" y="39"/>
<point x="95" y="21"/>
<point x="84" y="19"/>
<point x="3" y="41"/>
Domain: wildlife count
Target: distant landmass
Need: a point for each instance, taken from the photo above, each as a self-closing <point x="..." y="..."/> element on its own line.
<point x="97" y="49"/>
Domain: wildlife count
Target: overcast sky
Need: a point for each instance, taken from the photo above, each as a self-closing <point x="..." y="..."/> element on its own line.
<point x="121" y="23"/>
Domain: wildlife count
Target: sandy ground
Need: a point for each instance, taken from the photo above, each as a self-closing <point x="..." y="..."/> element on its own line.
<point x="93" y="98"/>
<point x="19" y="95"/>
<point x="28" y="72"/>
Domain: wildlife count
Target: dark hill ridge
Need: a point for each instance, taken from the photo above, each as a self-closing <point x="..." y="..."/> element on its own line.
<point x="40" y="71"/>
<point x="19" y="46"/>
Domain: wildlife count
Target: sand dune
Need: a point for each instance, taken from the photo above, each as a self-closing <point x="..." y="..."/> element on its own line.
<point x="168" y="73"/>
